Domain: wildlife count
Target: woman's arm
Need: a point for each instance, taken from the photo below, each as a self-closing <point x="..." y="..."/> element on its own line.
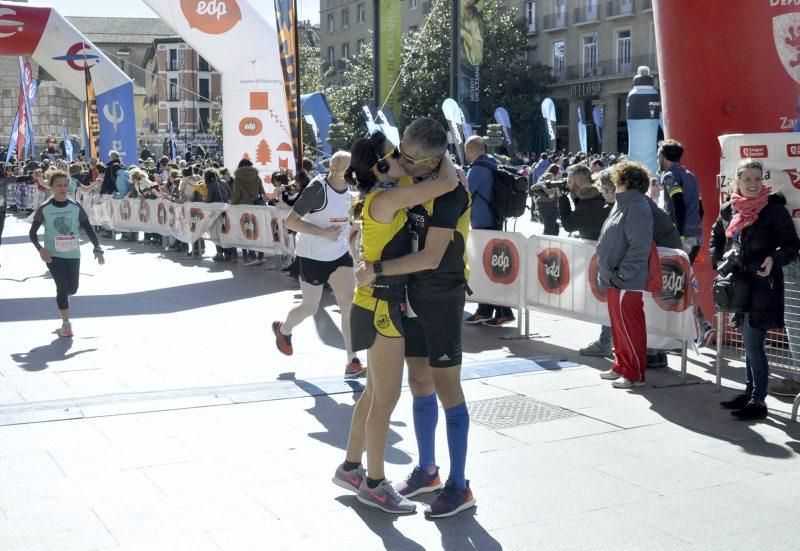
<point x="718" y="239"/>
<point x="788" y="242"/>
<point x="387" y="203"/>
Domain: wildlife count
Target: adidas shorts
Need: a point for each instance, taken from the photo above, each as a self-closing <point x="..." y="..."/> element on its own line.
<point x="436" y="331"/>
<point x="371" y="316"/>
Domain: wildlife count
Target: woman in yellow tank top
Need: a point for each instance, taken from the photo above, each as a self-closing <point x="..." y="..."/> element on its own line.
<point x="376" y="317"/>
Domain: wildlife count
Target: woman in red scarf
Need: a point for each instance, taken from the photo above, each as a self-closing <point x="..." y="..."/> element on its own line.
<point x="759" y="224"/>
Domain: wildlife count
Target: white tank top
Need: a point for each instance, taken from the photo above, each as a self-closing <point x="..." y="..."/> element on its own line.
<point x="334" y="211"/>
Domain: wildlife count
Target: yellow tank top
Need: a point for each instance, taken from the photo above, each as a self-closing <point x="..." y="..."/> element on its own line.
<point x="381" y="241"/>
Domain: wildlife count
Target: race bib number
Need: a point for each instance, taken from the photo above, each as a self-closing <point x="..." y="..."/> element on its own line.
<point x="66" y="243"/>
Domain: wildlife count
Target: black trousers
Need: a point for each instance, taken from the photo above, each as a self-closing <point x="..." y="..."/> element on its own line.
<point x="66" y="272"/>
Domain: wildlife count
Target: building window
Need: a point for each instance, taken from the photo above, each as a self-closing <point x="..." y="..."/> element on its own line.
<point x="173" y="119"/>
<point x="202" y="64"/>
<point x="413" y="29"/>
<point x="558" y="59"/>
<point x="203" y="116"/>
<point x="204" y="89"/>
<point x="173" y="89"/>
<point x="561" y="13"/>
<point x="589" y="56"/>
<point x="362" y="14"/>
<point x="345" y="18"/>
<point x="530" y="15"/>
<point x="173" y="60"/>
<point x="331" y="55"/>
<point x="346" y="50"/>
<point x="414" y="5"/>
<point x="331" y="23"/>
<point x="360" y="45"/>
<point x="624" y="52"/>
<point x="591" y="10"/>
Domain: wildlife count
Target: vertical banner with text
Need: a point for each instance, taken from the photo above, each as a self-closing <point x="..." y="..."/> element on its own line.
<point x="391" y="52"/>
<point x="286" y="19"/>
<point x="471" y="27"/>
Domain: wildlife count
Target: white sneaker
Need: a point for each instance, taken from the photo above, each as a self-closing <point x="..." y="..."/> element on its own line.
<point x="626" y="383"/>
<point x="609" y="375"/>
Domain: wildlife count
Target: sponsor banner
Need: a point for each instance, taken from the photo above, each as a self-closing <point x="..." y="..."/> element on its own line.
<point x="497" y="261"/>
<point x="286" y="21"/>
<point x="559" y="275"/>
<point x="117" y="119"/>
<point x="779" y="152"/>
<point x="254" y="227"/>
<point x="254" y="113"/>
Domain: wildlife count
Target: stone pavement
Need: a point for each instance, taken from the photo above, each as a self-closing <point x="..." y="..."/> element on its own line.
<point x="170" y="422"/>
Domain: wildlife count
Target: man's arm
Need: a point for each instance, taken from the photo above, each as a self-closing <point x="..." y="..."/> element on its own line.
<point x="675" y="192"/>
<point x="312" y="198"/>
<point x="570" y="220"/>
<point x="428" y="258"/>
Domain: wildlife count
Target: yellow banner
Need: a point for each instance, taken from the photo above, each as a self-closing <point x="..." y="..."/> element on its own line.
<point x="92" y="117"/>
<point x="391" y="53"/>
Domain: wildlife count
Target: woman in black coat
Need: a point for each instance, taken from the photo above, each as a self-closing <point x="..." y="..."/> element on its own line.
<point x="759" y="224"/>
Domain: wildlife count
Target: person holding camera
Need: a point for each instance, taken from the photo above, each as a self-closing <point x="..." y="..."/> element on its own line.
<point x="760" y="238"/>
<point x="544" y="197"/>
<point x="587" y="218"/>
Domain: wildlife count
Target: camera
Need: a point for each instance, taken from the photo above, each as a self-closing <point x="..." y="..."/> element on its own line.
<point x="731" y="261"/>
<point x="557" y="184"/>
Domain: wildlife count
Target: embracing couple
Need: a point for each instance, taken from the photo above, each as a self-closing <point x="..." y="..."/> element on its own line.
<point x="414" y="214"/>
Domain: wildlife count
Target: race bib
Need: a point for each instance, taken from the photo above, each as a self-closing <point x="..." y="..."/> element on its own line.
<point x="66" y="243"/>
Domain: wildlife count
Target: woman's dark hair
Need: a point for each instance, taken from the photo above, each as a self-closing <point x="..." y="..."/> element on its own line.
<point x="245" y="162"/>
<point x="631" y="174"/>
<point x="280" y="179"/>
<point x="210" y="175"/>
<point x="186" y="172"/>
<point x="363" y="156"/>
<point x="554" y="169"/>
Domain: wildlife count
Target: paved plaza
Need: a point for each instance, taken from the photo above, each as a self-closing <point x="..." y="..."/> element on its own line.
<point x="171" y="422"/>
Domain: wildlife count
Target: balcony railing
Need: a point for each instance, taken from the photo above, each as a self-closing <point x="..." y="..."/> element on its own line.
<point x="606" y="68"/>
<point x="620" y="8"/>
<point x="554" y="21"/>
<point x="172" y="65"/>
<point x="586" y="14"/>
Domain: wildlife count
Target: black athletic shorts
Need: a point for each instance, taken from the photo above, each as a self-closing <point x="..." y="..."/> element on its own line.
<point x="317" y="272"/>
<point x="372" y="316"/>
<point x="436" y="331"/>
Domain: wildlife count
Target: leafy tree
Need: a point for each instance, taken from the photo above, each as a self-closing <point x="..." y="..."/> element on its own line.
<point x="310" y="69"/>
<point x="347" y="98"/>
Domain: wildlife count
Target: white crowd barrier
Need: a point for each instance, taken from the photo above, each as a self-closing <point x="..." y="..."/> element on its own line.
<point x="254" y="227"/>
<point x="23" y="196"/>
<point x="559" y="275"/>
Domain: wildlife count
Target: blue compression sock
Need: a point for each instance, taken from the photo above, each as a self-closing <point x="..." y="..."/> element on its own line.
<point x="457" y="433"/>
<point x="426" y="416"/>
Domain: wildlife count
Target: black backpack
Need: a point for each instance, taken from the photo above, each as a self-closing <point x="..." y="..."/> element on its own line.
<point x="510" y="191"/>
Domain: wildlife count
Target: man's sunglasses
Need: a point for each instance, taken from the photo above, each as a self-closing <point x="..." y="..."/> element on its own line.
<point x="398" y="152"/>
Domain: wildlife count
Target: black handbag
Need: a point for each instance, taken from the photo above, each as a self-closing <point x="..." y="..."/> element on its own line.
<point x="731" y="292"/>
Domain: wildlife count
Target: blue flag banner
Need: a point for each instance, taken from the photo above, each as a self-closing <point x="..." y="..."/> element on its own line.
<point x="67" y="142"/>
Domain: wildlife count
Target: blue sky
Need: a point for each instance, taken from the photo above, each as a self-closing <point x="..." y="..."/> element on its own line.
<point x="309" y="9"/>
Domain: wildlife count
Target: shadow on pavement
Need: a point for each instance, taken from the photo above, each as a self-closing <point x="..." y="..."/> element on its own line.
<point x="381" y="524"/>
<point x="463" y="532"/>
<point x="335" y="417"/>
<point x="39" y="358"/>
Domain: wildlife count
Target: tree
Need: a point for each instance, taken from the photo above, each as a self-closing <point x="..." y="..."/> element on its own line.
<point x="346" y="99"/>
<point x="507" y="79"/>
<point x="310" y="69"/>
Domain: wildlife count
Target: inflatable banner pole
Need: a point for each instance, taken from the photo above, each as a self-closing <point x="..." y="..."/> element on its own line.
<point x="644" y="111"/>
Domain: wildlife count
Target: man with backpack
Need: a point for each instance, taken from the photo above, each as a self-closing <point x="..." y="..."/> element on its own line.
<point x="481" y="179"/>
<point x="116" y="179"/>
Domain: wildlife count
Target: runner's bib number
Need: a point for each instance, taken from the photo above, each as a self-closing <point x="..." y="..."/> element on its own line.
<point x="66" y="243"/>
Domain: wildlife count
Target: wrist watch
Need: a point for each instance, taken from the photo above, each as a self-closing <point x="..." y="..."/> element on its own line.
<point x="377" y="268"/>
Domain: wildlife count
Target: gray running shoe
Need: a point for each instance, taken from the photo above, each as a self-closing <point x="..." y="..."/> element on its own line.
<point x="596" y="349"/>
<point x="349" y="480"/>
<point x="385" y="498"/>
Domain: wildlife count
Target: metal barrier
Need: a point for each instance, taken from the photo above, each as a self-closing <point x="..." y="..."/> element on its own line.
<point x="782" y="346"/>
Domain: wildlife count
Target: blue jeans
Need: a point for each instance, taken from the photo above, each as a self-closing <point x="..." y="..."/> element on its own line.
<point x="755" y="360"/>
<point x="605" y="335"/>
